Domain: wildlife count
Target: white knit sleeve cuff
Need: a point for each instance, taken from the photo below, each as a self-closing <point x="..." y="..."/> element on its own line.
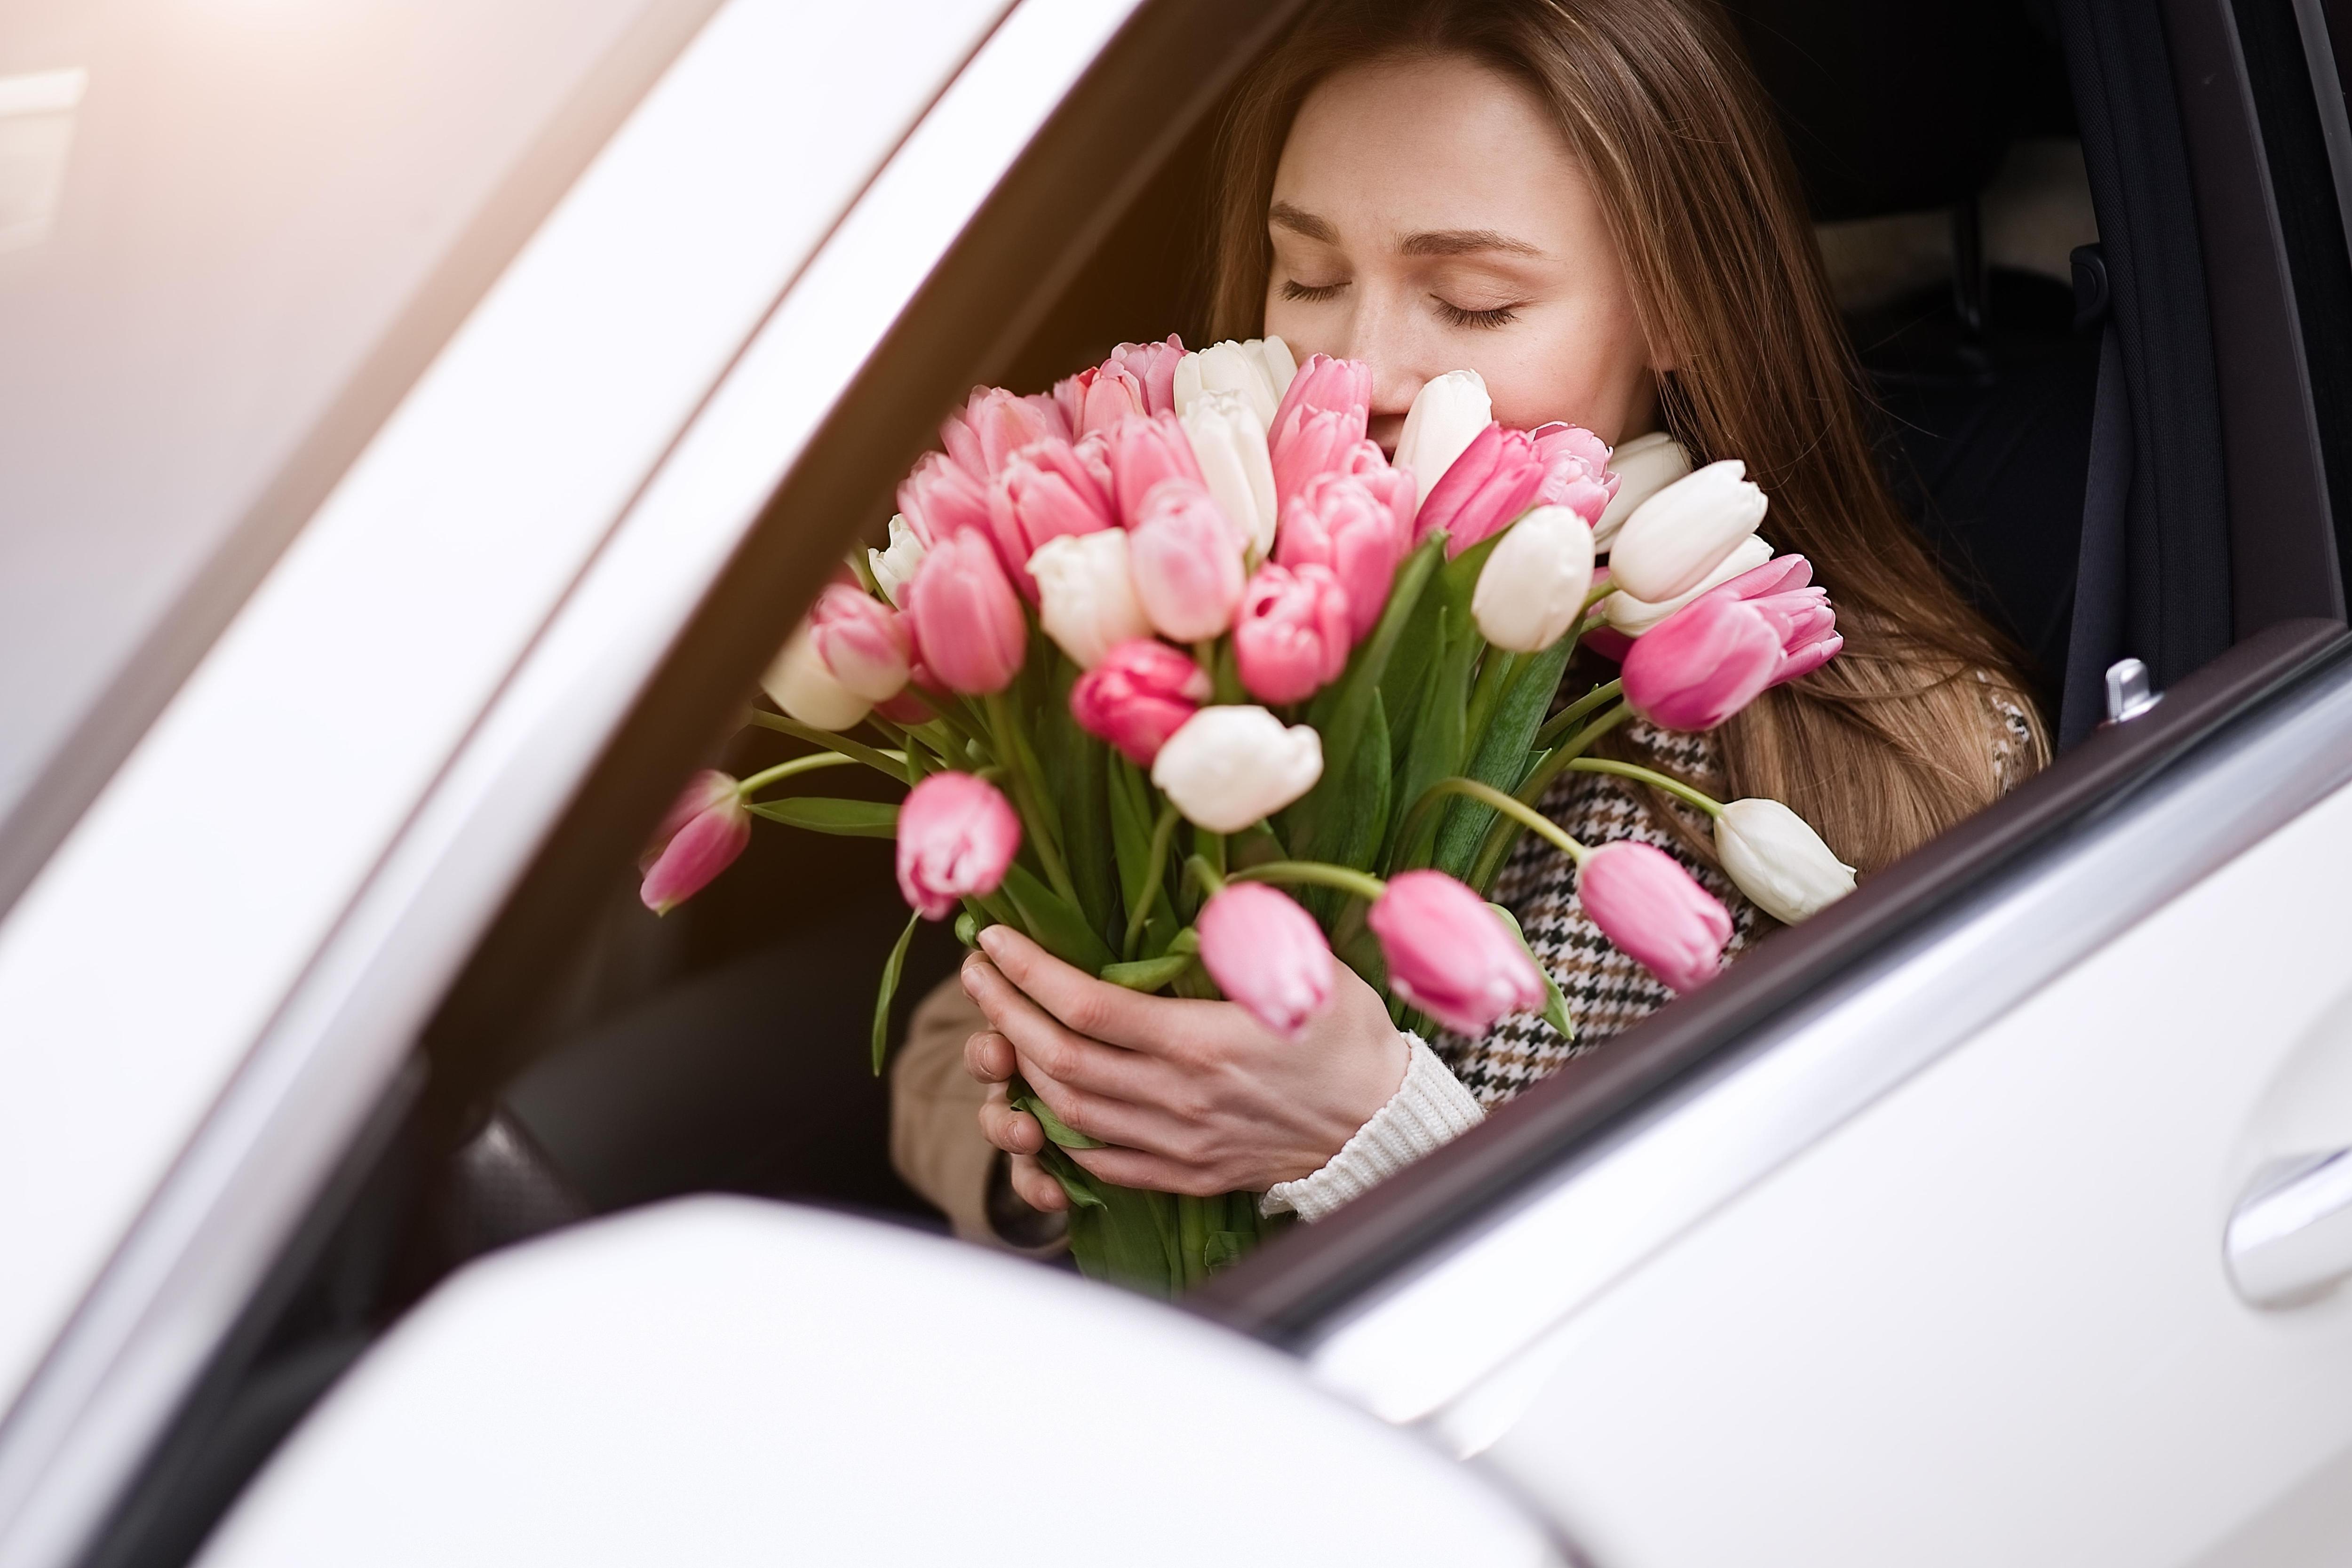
<point x="1429" y="1108"/>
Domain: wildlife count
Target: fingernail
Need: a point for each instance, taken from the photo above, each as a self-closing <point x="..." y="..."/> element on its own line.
<point x="992" y="939"/>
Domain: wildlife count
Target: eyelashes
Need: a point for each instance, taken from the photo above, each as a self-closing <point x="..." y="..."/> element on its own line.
<point x="1452" y="315"/>
<point x="1501" y="316"/>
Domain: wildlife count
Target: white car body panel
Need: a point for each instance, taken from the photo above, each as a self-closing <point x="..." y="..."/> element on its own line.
<point x="1989" y="1320"/>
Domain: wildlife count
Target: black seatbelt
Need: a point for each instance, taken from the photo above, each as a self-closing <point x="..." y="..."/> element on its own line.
<point x="2095" y="639"/>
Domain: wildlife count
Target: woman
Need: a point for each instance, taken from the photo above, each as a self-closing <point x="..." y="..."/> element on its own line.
<point x="1586" y="201"/>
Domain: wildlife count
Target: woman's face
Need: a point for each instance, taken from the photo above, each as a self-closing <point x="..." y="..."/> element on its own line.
<point x="1428" y="215"/>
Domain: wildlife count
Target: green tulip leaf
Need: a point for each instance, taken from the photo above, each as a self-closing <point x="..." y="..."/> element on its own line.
<point x="822" y="814"/>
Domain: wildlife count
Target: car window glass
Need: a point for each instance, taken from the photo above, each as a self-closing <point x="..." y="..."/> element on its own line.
<point x="210" y="213"/>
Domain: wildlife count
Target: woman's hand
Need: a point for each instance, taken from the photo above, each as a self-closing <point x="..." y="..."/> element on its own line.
<point x="1192" y="1097"/>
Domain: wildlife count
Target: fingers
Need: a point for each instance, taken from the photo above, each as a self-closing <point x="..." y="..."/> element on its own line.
<point x="1034" y="1187"/>
<point x="988" y="1056"/>
<point x="1153" y="1173"/>
<point x="1041" y="1042"/>
<point x="1093" y="1007"/>
<point x="1014" y="1131"/>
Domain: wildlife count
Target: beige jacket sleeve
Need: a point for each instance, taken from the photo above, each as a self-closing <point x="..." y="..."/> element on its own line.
<point x="935" y="1139"/>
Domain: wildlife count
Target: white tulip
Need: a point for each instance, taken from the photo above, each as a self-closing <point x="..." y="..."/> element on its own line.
<point x="1778" y="861"/>
<point x="1229" y="444"/>
<point x="1228" y="767"/>
<point x="1683" y="532"/>
<point x="801" y="685"/>
<point x="1086" y="599"/>
<point x="895" y="567"/>
<point x="1643" y="467"/>
<point x="1633" y="616"/>
<point x="1446" y="416"/>
<point x="1260" y="370"/>
<point x="1533" y="587"/>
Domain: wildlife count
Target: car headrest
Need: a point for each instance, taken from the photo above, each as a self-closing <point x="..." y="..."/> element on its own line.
<point x="1903" y="107"/>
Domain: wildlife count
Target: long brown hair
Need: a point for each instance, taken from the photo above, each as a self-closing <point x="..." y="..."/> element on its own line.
<point x="1892" y="741"/>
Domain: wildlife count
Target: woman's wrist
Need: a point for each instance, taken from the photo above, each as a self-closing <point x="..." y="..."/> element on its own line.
<point x="1429" y="1108"/>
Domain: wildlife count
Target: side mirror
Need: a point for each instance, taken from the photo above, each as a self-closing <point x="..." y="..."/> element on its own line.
<point x="721" y="1380"/>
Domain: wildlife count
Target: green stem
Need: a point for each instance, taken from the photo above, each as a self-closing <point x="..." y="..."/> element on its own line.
<point x="807" y="764"/>
<point x="1505" y="832"/>
<point x="1316" y="874"/>
<point x="1162" y="832"/>
<point x="1517" y="810"/>
<point x="856" y="751"/>
<point x="1676" y="787"/>
<point x="1494" y="679"/>
<point x="1015" y="756"/>
<point x="1212" y="881"/>
<point x="1567" y="718"/>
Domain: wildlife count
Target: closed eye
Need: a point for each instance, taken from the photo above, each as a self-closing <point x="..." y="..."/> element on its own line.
<point x="1454" y="315"/>
<point x="1309" y="293"/>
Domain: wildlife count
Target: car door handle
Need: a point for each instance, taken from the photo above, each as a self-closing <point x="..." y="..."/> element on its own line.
<point x="2291" y="1235"/>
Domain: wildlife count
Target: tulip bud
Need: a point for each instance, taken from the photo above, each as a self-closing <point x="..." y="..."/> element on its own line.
<point x="895" y="566"/>
<point x="1231" y="767"/>
<point x="1186" y="562"/>
<point x="1652" y="909"/>
<point x="1493" y="481"/>
<point x="699" y="836"/>
<point x="940" y="497"/>
<point x="1138" y="695"/>
<point x="1446" y="416"/>
<point x="1153" y="366"/>
<point x="1336" y="395"/>
<point x="1229" y="445"/>
<point x="966" y="618"/>
<point x="995" y="424"/>
<point x="1359" y="525"/>
<point x="1532" y="589"/>
<point x="1634" y="617"/>
<point x="800" y="682"/>
<point x="1291" y="638"/>
<point x="1319" y="441"/>
<point x="1640" y="469"/>
<point x="1449" y="956"/>
<point x="1046" y="492"/>
<point x="1099" y="398"/>
<point x="1266" y="953"/>
<point x="1342" y="385"/>
<point x="1261" y="370"/>
<point x="1576" y="469"/>
<point x="1683" y="532"/>
<point x="1778" y="861"/>
<point x="864" y="642"/>
<point x="1707" y="661"/>
<point x="957" y="838"/>
<point x="1142" y="452"/>
<point x="1088" y="601"/>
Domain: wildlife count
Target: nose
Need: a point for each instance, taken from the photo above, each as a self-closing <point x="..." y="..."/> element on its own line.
<point x="1381" y="335"/>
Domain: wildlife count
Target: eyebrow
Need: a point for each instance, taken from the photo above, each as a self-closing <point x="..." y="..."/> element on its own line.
<point x="1427" y="242"/>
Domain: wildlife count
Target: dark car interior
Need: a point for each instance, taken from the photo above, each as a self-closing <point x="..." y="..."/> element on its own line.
<point x="2081" y="413"/>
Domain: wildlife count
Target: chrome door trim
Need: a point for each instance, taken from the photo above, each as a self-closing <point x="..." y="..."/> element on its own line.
<point x="1425" y="1341"/>
<point x="331" y="1045"/>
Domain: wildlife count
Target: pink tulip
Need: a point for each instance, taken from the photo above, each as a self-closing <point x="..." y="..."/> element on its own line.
<point x="940" y="498"/>
<point x="957" y="838"/>
<point x="1143" y="452"/>
<point x="1154" y="365"/>
<point x="1495" y="479"/>
<point x="1730" y="644"/>
<point x="1320" y="441"/>
<point x="863" y="641"/>
<point x="1291" y="638"/>
<point x="1186" y="560"/>
<point x="700" y="836"/>
<point x="1652" y="909"/>
<point x="1358" y="524"/>
<point x="1266" y="953"/>
<point x="966" y="618"/>
<point x="1098" y="397"/>
<point x="1449" y="955"/>
<point x="1138" y="695"/>
<point x="1045" y="490"/>
<point x="1576" y="469"/>
<point x="995" y="424"/>
<point x="1342" y="387"/>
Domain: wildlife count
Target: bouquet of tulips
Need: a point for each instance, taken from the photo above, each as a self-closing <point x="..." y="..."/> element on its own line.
<point x="1188" y="681"/>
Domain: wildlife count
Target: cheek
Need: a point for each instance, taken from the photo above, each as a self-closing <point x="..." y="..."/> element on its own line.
<point x="1565" y="365"/>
